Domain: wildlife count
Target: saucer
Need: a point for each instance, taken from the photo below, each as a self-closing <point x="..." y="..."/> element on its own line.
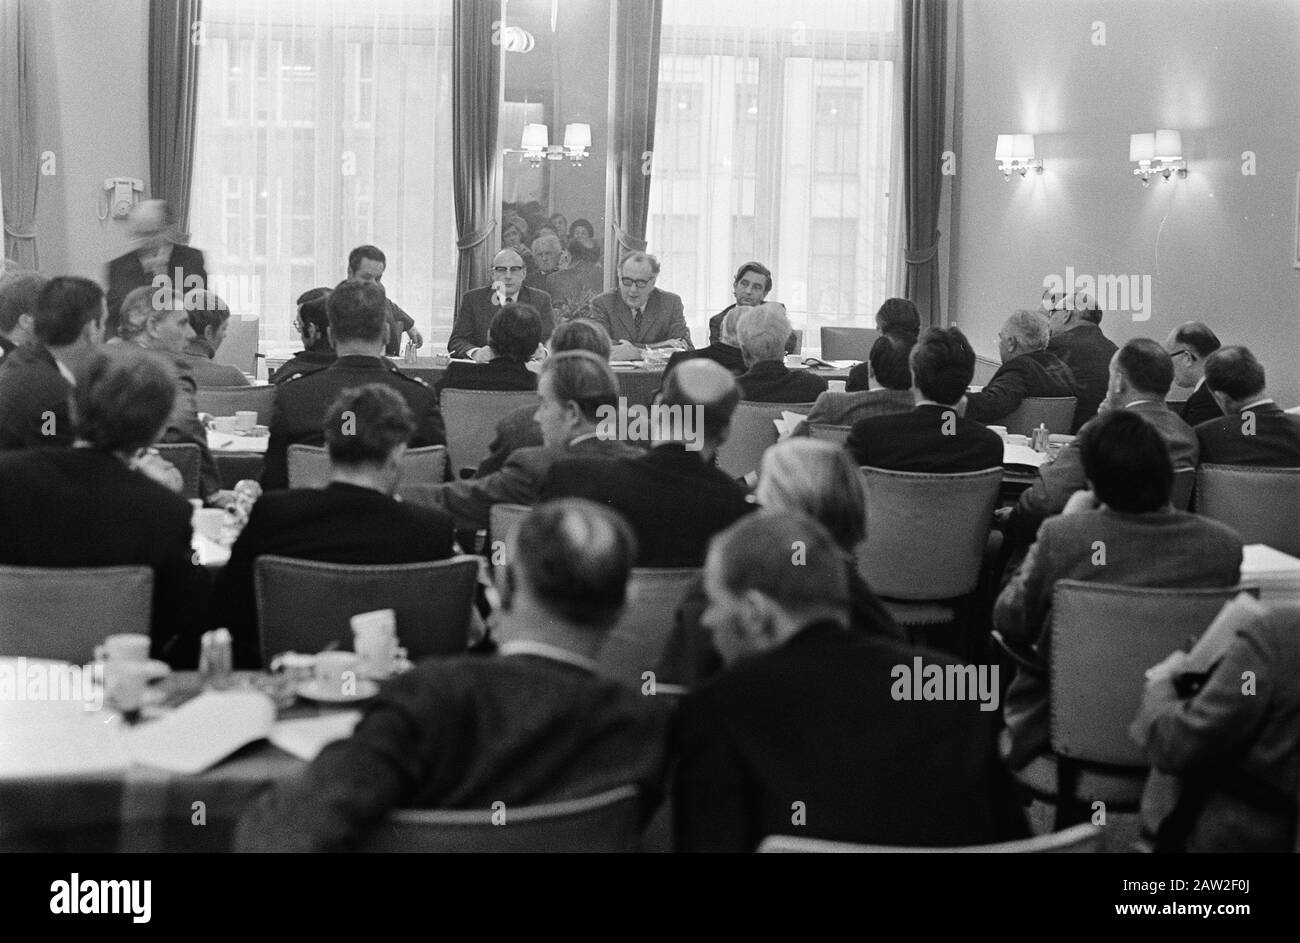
<point x="153" y="669"/>
<point x="314" y="691"/>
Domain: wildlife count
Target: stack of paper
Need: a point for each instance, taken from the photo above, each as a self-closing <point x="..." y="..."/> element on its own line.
<point x="1277" y="574"/>
<point x="202" y="732"/>
<point x="1022" y="455"/>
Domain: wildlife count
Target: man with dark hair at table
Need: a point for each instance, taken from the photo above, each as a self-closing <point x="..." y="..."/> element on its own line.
<point x="638" y="315"/>
<point x="1189" y="345"/>
<point x="750" y="287"/>
<point x="312" y="325"/>
<point x="762" y="334"/>
<point x="1146" y="542"/>
<point x="533" y="724"/>
<point x="18" y="294"/>
<point x="674" y="496"/>
<point x="725" y="350"/>
<point x="157" y="261"/>
<point x="37" y="379"/>
<point x="353" y="519"/>
<point x="513" y="338"/>
<point x="209" y="319"/>
<point x="933" y="436"/>
<point x="888" y="387"/>
<point x="1028" y="369"/>
<point x="809" y="713"/>
<point x="358" y="325"/>
<point x="367" y="264"/>
<point x="897" y="316"/>
<point x="1076" y="338"/>
<point x="478" y="306"/>
<point x="1254" y="430"/>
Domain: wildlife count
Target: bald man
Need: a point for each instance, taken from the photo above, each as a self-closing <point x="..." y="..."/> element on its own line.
<point x="155" y="254"/>
<point x="469" y="335"/>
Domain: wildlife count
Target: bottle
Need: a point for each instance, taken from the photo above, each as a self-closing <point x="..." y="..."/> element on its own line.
<point x="215" y="659"/>
<point x="1041" y="438"/>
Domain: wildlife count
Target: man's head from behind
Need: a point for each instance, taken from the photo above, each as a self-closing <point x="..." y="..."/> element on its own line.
<point x="943" y="364"/>
<point x="366" y="432"/>
<point x="899" y="316"/>
<point x="573" y="386"/>
<point x="123" y="399"/>
<point x="1139" y="370"/>
<point x="768" y="576"/>
<point x="1235" y="378"/>
<point x="1189" y="345"/>
<point x="702" y="383"/>
<point x="762" y="333"/>
<point x="209" y="316"/>
<point x="1023" y="333"/>
<point x="313" y="322"/>
<point x="358" y="315"/>
<point x="729" y="332"/>
<point x="888" y="360"/>
<point x="581" y="334"/>
<point x="70" y="310"/>
<point x="18" y="294"/>
<point x="1126" y="462"/>
<point x="515" y="332"/>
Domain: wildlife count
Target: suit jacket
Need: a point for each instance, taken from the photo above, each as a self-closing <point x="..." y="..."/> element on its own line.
<point x="464" y="733"/>
<point x="300" y="407"/>
<point x="661" y="318"/>
<point x="725" y="355"/>
<point x="715" y="331"/>
<point x="845" y="409"/>
<point x="865" y="767"/>
<point x="476" y="311"/>
<point x="915" y="442"/>
<point x="399" y="322"/>
<point x="1162" y="549"/>
<point x="771" y="381"/>
<point x="1274" y="443"/>
<point x="65" y="507"/>
<point x="470" y="501"/>
<point x="1037" y="373"/>
<point x="207" y="373"/>
<point x="518" y="430"/>
<point x="184" y="427"/>
<point x="674" y="500"/>
<point x="1200" y="407"/>
<point x="1087" y="352"/>
<point x="303" y="362"/>
<point x="340" y="523"/>
<point x="30" y="386"/>
<point x="499" y="373"/>
<point x="126" y="273"/>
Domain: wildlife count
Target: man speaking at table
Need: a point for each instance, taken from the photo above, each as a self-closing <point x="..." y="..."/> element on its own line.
<point x="469" y="333"/>
<point x="638" y="315"/>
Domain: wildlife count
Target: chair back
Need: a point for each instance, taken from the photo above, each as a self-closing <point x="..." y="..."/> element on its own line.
<point x="1104" y="638"/>
<point x="228" y="400"/>
<point x="63" y="613"/>
<point x="847" y="343"/>
<point x="1261" y="504"/>
<point x="1184" y="484"/>
<point x="471" y="418"/>
<point x="304" y="605"/>
<point x="606" y="822"/>
<point x="752" y="431"/>
<point x="1080" y="838"/>
<point x="188" y="459"/>
<point x="239" y="349"/>
<point x="309" y="466"/>
<point x="837" y="434"/>
<point x="637" y="643"/>
<point x="926" y="534"/>
<point x="1055" y="412"/>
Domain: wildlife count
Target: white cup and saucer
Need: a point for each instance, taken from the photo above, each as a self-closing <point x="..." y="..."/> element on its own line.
<point x="128" y="670"/>
<point x="337" y="679"/>
<point x="374" y="639"/>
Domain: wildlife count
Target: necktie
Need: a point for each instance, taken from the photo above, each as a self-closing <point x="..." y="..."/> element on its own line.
<point x="636" y="322"/>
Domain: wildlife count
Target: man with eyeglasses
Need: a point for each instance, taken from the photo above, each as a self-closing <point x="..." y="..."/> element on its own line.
<point x="1189" y="345"/>
<point x="638" y="315"/>
<point x="312" y="325"/>
<point x="478" y="306"/>
<point x="1076" y="339"/>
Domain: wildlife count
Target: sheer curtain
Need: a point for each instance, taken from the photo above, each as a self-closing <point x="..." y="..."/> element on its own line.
<point x="324" y="125"/>
<point x="778" y="139"/>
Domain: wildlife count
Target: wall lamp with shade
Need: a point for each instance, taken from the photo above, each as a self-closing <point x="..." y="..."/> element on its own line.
<point x="1159" y="152"/>
<point x="1015" y="154"/>
<point x="535" y="145"/>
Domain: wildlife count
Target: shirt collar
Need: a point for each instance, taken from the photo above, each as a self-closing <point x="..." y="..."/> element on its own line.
<point x="543" y="650"/>
<point x="583" y="438"/>
<point x="1259" y="402"/>
<point x="930" y="402"/>
<point x="63" y="369"/>
<point x="1199" y="383"/>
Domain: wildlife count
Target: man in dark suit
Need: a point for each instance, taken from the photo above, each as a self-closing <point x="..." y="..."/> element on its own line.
<point x="725" y="351"/>
<point x="887" y="388"/>
<point x="37" y="379"/>
<point x="674" y="497"/>
<point x="367" y="264"/>
<point x="469" y="333"/>
<point x="750" y="287"/>
<point x="358" y="325"/>
<point x="638" y="315"/>
<point x="88" y="506"/>
<point x="1254" y="430"/>
<point x="312" y="326"/>
<point x="209" y="319"/>
<point x="1189" y="345"/>
<point x="762" y="333"/>
<point x="157" y="261"/>
<point x="354" y="519"/>
<point x="532" y="724"/>
<point x="933" y="437"/>
<point x="1076" y="338"/>
<point x="1147" y="543"/>
<point x="820" y="732"/>
<point x="18" y="294"/>
<point x="513" y="339"/>
<point x="1028" y="369"/>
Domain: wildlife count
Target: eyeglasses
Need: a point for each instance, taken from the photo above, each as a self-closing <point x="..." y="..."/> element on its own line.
<point x="503" y="270"/>
<point x="638" y="282"/>
<point x="297" y="325"/>
<point x="1184" y="350"/>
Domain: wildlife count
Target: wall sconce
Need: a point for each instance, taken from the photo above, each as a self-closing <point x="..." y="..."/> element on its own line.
<point x="1015" y="154"/>
<point x="1160" y="152"/>
<point x="536" y="146"/>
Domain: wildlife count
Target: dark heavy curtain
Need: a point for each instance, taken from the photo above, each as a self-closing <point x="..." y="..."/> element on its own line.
<point x="174" y="47"/>
<point x="636" y="90"/>
<point x="475" y="91"/>
<point x="19" y="161"/>
<point x="924" y="43"/>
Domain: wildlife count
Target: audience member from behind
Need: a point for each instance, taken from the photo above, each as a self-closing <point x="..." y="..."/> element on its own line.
<point x="86" y="506"/>
<point x="312" y="325"/>
<point x="18" y="294"/>
<point x="753" y="744"/>
<point x="933" y="437"/>
<point x="762" y="334"/>
<point x="724" y="351"/>
<point x="533" y="724"/>
<point x="209" y="319"/>
<point x="512" y="339"/>
<point x="884" y="386"/>
<point x="897" y="316"/>
<point x="1254" y="430"/>
<point x="1028" y="369"/>
<point x="367" y="264"/>
<point x="1147" y="543"/>
<point x="353" y="519"/>
<point x="1075" y="325"/>
<point x="1189" y="345"/>
<point x="37" y="379"/>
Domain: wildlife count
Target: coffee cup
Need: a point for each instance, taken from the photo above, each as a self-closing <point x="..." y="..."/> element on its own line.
<point x="127" y="647"/>
<point x="245" y="420"/>
<point x="226" y="425"/>
<point x="337" y="672"/>
<point x="375" y="641"/>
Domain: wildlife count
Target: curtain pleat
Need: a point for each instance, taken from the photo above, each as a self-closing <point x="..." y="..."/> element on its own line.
<point x="636" y="93"/>
<point x="173" y="102"/>
<point x="476" y="85"/>
<point x="924" y="43"/>
<point x="19" y="160"/>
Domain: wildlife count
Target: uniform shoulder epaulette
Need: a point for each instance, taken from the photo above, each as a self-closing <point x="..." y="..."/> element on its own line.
<point x="394" y="368"/>
<point x="303" y="371"/>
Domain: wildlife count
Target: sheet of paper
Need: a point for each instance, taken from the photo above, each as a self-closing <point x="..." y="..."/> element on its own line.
<point x="1209" y="648"/>
<point x="202" y="732"/>
<point x="1022" y="455"/>
<point x="1263" y="560"/>
<point x="307" y="736"/>
<point x="787" y="423"/>
<point x="221" y="442"/>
